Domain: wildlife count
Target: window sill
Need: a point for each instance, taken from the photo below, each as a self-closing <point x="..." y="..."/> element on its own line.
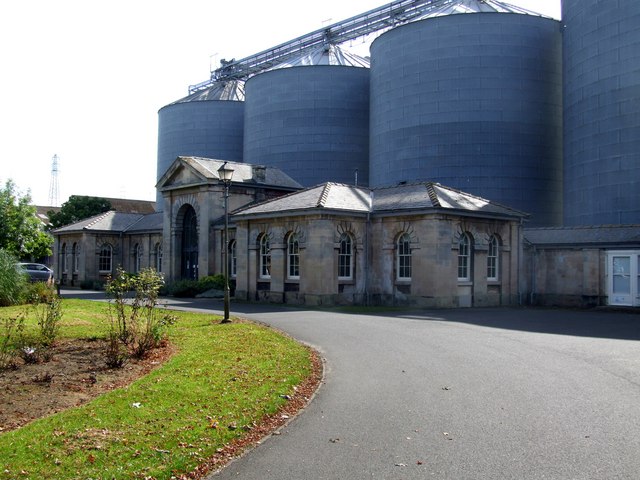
<point x="465" y="283"/>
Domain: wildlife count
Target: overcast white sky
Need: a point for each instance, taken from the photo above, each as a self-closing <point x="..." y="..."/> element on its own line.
<point x="85" y="79"/>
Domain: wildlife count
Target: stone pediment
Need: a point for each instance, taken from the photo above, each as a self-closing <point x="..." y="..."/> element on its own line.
<point x="180" y="174"/>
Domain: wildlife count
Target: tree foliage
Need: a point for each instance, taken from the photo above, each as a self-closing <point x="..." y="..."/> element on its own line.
<point x="77" y="208"/>
<point x="21" y="233"/>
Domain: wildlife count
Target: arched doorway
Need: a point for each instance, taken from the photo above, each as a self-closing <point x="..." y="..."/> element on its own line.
<point x="189" y="245"/>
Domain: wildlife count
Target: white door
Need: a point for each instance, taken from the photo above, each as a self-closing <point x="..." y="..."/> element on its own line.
<point x="622" y="282"/>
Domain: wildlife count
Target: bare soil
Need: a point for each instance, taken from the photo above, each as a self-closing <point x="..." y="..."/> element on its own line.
<point x="75" y="374"/>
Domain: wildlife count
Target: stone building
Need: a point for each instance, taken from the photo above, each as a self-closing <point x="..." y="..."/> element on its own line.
<point x="179" y="241"/>
<point x="86" y="253"/>
<point x="582" y="266"/>
<point x="421" y="244"/>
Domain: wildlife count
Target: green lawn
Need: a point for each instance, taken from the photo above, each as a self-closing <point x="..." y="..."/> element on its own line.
<point x="224" y="378"/>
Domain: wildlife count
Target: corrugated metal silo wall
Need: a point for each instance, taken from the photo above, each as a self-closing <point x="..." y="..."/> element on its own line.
<point x="312" y="122"/>
<point x="210" y="129"/>
<point x="601" y="111"/>
<point x="473" y="101"/>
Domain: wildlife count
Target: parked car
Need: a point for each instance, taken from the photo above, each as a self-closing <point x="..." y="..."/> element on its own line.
<point x="37" y="272"/>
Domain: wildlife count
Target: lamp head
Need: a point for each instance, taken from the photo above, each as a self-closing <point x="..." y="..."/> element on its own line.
<point x="225" y="174"/>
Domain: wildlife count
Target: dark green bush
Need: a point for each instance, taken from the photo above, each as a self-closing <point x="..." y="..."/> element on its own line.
<point x="191" y="288"/>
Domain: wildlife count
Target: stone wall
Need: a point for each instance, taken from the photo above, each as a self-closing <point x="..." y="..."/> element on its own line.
<point x="565" y="276"/>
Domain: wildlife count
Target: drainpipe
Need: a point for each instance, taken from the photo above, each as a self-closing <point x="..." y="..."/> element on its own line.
<point x="519" y="261"/>
<point x="534" y="254"/>
<point x="367" y="250"/>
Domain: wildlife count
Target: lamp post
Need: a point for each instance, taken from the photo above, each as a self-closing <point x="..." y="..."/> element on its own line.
<point x="225" y="173"/>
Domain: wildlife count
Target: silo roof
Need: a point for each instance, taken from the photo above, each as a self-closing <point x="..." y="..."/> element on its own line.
<point x="328" y="54"/>
<point x="474" y="6"/>
<point x="224" y="90"/>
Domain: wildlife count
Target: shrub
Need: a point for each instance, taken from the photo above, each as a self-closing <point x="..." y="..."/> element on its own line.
<point x="183" y="288"/>
<point x="10" y="330"/>
<point x="39" y="292"/>
<point x="191" y="288"/>
<point x="49" y="314"/>
<point x="137" y="326"/>
<point x="12" y="280"/>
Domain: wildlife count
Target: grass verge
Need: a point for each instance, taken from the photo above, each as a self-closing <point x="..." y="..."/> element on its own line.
<point x="220" y="385"/>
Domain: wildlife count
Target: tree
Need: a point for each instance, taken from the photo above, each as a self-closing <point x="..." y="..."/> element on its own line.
<point x="77" y="208"/>
<point x="21" y="233"/>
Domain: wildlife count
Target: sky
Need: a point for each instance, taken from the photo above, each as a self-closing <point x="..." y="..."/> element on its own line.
<point x="84" y="80"/>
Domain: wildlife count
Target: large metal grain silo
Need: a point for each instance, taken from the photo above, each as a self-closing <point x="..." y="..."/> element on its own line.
<point x="208" y="123"/>
<point x="601" y="111"/>
<point x="474" y="101"/>
<point x="310" y="118"/>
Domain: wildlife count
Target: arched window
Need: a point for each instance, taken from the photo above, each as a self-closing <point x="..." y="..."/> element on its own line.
<point x="464" y="258"/>
<point x="63" y="254"/>
<point x="233" y="259"/>
<point x="105" y="258"/>
<point x="403" y="257"/>
<point x="137" y="256"/>
<point x="345" y="257"/>
<point x="75" y="257"/>
<point x="265" y="257"/>
<point x="493" y="259"/>
<point x="158" y="255"/>
<point x="293" y="257"/>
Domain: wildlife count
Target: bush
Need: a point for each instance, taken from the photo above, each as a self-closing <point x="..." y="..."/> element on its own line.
<point x="136" y="326"/>
<point x="49" y="314"/>
<point x="12" y="281"/>
<point x="191" y="288"/>
<point x="39" y="292"/>
<point x="11" y="329"/>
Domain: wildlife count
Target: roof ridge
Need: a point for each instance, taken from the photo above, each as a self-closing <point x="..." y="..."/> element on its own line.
<point x="324" y="196"/>
<point x="99" y="217"/>
<point x="433" y="196"/>
<point x="478" y="197"/>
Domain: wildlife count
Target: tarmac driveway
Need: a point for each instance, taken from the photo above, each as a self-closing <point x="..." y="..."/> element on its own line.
<point x="464" y="394"/>
<point x="458" y="394"/>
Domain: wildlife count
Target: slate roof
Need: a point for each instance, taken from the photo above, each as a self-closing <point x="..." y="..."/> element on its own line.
<point x="243" y="172"/>
<point x="407" y="197"/>
<point x="597" y="235"/>
<point x="331" y="196"/>
<point x="152" y="222"/>
<point x="110" y="221"/>
<point x="431" y="195"/>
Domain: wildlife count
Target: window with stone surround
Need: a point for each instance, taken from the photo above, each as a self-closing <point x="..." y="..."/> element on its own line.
<point x="345" y="257"/>
<point x="493" y="260"/>
<point x="464" y="258"/>
<point x="293" y="257"/>
<point x="233" y="259"/>
<point x="105" y="258"/>
<point x="403" y="257"/>
<point x="158" y="255"/>
<point x="265" y="257"/>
